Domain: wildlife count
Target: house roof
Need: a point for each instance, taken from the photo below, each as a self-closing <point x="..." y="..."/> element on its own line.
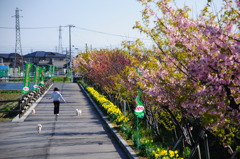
<point x="45" y="54"/>
<point x="11" y="55"/>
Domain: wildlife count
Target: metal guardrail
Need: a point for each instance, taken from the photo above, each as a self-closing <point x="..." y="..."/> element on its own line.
<point x="25" y="102"/>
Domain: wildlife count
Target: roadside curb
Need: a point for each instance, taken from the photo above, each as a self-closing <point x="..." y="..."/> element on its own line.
<point x="127" y="149"/>
<point x="18" y="120"/>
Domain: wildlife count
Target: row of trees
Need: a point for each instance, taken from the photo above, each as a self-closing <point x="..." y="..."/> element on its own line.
<point x="191" y="77"/>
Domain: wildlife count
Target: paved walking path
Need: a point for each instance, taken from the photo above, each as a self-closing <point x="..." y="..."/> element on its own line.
<point x="69" y="137"/>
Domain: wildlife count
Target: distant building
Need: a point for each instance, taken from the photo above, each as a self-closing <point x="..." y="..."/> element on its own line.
<point x="39" y="58"/>
<point x="9" y="60"/>
<point x="42" y="58"/>
<point x="14" y="61"/>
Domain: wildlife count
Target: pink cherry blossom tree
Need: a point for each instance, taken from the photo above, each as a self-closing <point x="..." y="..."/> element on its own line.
<point x="199" y="72"/>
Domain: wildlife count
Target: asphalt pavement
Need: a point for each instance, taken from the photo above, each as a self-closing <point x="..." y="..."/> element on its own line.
<point x="68" y="137"/>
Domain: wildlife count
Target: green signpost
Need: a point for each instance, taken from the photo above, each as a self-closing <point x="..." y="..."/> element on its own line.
<point x="139" y="110"/>
<point x="51" y="70"/>
<point x="54" y="69"/>
<point x="4" y="71"/>
<point x="69" y="73"/>
<point x="36" y="77"/>
<point x="42" y="75"/>
<point x="26" y="79"/>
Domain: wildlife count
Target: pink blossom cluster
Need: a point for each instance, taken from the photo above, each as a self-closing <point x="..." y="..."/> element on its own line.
<point x="100" y="66"/>
<point x="211" y="65"/>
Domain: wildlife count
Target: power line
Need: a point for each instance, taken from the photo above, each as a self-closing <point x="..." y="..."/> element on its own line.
<point x="80" y="28"/>
<point x="111" y="34"/>
<point x="30" y="27"/>
<point x="7" y="28"/>
<point x="100" y="32"/>
<point x="40" y="28"/>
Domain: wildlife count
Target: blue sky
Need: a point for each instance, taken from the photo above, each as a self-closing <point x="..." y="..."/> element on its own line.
<point x="107" y="16"/>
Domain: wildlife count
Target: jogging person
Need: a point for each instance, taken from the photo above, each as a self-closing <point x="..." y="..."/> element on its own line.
<point x="56" y="96"/>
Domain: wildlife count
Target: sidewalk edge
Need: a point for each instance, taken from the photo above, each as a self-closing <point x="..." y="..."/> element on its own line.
<point x="127" y="149"/>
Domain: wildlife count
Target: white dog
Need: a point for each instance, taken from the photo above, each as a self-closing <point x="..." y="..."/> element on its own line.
<point x="39" y="128"/>
<point x="78" y="112"/>
<point x="33" y="111"/>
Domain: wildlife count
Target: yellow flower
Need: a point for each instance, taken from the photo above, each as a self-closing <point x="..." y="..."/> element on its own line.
<point x="111" y="109"/>
<point x="163" y="152"/>
<point x="171" y="153"/>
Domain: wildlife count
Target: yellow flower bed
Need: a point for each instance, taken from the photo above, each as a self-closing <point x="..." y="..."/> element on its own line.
<point x="160" y="153"/>
<point x="117" y="116"/>
<point x="165" y="154"/>
<point x="112" y="110"/>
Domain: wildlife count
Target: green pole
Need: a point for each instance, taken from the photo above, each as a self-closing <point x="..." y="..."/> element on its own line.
<point x="137" y="134"/>
<point x="51" y="68"/>
<point x="69" y="73"/>
<point x="42" y="76"/>
<point x="54" y="68"/>
<point x="26" y="79"/>
<point x="50" y="71"/>
<point x="36" y="78"/>
<point x="19" y="71"/>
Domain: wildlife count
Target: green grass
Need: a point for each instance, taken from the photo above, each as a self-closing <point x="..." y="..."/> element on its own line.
<point x="61" y="79"/>
<point x="9" y="91"/>
<point x="11" y="95"/>
<point x="19" y="79"/>
<point x="8" y="95"/>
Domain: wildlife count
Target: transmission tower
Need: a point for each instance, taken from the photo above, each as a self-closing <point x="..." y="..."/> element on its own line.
<point x="60" y="40"/>
<point x="18" y="47"/>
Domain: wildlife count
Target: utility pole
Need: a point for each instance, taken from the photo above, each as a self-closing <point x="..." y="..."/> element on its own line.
<point x="18" y="47"/>
<point x="60" y="40"/>
<point x="91" y="48"/>
<point x="86" y="48"/>
<point x="70" y="50"/>
<point x="67" y="61"/>
<point x="129" y="43"/>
